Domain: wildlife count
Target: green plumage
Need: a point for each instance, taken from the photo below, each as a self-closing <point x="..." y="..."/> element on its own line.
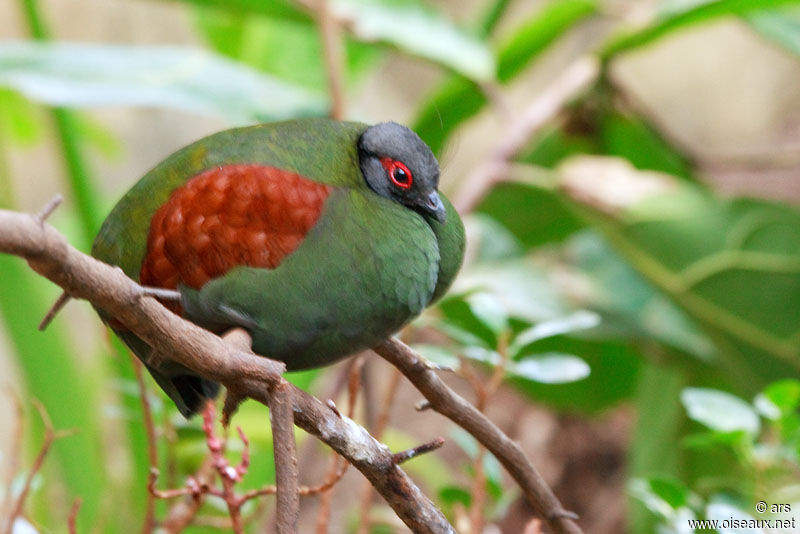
<point x="368" y="266"/>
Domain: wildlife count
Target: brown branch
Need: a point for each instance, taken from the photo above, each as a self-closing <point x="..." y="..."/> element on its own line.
<point x="288" y="499"/>
<point x="575" y="79"/>
<point x="447" y="402"/>
<point x="404" y="456"/>
<point x="333" y="55"/>
<point x="208" y="355"/>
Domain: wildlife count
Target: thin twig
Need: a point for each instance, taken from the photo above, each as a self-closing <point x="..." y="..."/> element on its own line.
<point x="282" y="421"/>
<point x="149" y="522"/>
<point x="72" y="520"/>
<point x="573" y="80"/>
<point x="326" y="496"/>
<point x="404" y="456"/>
<point x="57" y="306"/>
<point x="13" y="460"/>
<point x="447" y="402"/>
<point x="333" y="55"/>
<point x="50" y="435"/>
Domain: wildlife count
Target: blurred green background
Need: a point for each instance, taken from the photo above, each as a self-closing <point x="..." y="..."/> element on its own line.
<point x="636" y="271"/>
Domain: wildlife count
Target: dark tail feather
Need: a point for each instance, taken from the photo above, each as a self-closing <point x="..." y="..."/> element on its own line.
<point x="189" y="392"/>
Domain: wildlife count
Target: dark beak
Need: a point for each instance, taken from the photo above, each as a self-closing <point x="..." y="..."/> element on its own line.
<point x="433" y="206"/>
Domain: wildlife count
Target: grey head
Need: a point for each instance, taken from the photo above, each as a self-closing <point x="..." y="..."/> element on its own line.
<point x="398" y="165"/>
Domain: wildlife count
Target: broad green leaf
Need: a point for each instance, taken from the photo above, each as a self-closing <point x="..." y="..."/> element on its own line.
<point x="720" y="411"/>
<point x="488" y="310"/>
<point x="628" y="302"/>
<point x="460" y="98"/>
<point x="87" y="75"/>
<point x="415" y="29"/>
<point x="534" y="35"/>
<point x="575" y="322"/>
<point x="732" y="264"/>
<point x="550" y="368"/>
<point x="534" y="215"/>
<point x="681" y="15"/>
<point x="782" y="26"/>
<point x="18" y="118"/>
<point x="662" y="494"/>
<point x="285" y="48"/>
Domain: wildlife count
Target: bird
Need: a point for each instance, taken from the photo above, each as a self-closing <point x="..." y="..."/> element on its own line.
<point x="319" y="237"/>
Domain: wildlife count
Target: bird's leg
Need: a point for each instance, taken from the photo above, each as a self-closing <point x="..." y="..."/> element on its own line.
<point x="160" y="293"/>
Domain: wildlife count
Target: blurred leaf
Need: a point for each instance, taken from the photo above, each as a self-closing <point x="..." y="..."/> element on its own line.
<point x="534" y="215"/>
<point x="18" y="118"/>
<point x="575" y="322"/>
<point x="488" y="310"/>
<point x="536" y="34"/>
<point x="85" y="75"/>
<point x="450" y="495"/>
<point x="491" y="240"/>
<point x="779" y="399"/>
<point x="614" y="371"/>
<point x="720" y="411"/>
<point x="732" y="264"/>
<point x="723" y="512"/>
<point x="629" y="302"/>
<point x="550" y="368"/>
<point x="438" y="355"/>
<point x="682" y="14"/>
<point x="285" y="9"/>
<point x="634" y="139"/>
<point x="288" y="49"/>
<point x="663" y="494"/>
<point x="524" y="290"/>
<point x="412" y="27"/>
<point x="459" y="98"/>
<point x="782" y="26"/>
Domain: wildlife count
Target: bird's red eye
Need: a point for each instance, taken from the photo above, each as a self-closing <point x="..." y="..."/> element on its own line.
<point x="398" y="173"/>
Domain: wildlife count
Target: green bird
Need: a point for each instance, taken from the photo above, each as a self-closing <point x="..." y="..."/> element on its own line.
<point x="319" y="237"/>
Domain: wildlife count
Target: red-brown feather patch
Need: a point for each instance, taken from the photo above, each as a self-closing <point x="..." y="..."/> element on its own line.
<point x="234" y="215"/>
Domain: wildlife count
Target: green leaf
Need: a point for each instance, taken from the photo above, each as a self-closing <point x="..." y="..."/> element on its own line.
<point x="460" y="98"/>
<point x="488" y="310"/>
<point x="779" y="399"/>
<point x="86" y="75"/>
<point x="662" y="494"/>
<point x="533" y="214"/>
<point x="681" y="15"/>
<point x="18" y="118"/>
<point x="720" y="411"/>
<point x="575" y="322"/>
<point x="781" y="26"/>
<point x="550" y="368"/>
<point x="732" y="264"/>
<point x="534" y="35"/>
<point x="415" y="29"/>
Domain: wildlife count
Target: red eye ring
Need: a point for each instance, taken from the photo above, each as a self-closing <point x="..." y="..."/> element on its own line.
<point x="393" y="169"/>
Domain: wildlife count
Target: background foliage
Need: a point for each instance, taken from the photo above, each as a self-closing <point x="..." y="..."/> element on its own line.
<point x="606" y="273"/>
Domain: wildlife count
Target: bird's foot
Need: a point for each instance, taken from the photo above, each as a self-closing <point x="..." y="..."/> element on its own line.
<point x="160" y="293"/>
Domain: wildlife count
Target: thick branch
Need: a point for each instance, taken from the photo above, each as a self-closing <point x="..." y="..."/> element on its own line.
<point x="447" y="402"/>
<point x="49" y="254"/>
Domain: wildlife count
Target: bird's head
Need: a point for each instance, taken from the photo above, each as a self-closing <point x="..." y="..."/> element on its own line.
<point x="398" y="165"/>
